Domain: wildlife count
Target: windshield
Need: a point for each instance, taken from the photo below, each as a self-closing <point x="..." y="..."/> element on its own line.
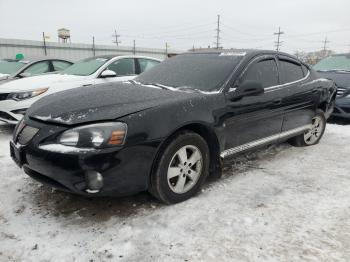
<point x="85" y="67"/>
<point x="10" y="67"/>
<point x="205" y="72"/>
<point x="337" y="62"/>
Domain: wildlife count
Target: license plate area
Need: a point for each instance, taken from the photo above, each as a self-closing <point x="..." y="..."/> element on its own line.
<point x="16" y="154"/>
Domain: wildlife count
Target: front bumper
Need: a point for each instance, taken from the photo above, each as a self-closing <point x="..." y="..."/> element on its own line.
<point x="342" y="108"/>
<point x="124" y="170"/>
<point x="12" y="111"/>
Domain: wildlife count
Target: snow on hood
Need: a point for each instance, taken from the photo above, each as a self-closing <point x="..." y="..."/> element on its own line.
<point x="101" y="102"/>
<point x="40" y="81"/>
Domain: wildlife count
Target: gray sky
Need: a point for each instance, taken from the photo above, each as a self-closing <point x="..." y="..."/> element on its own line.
<point x="183" y="23"/>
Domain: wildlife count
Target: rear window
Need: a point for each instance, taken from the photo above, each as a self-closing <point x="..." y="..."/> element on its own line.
<point x="336" y="62"/>
<point x="10" y="66"/>
<point x="290" y="71"/>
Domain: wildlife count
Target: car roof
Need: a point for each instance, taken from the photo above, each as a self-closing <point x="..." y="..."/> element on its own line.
<point x="246" y="52"/>
<point x="115" y="56"/>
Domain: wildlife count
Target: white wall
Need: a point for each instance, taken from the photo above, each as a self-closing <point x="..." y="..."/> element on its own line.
<point x="73" y="52"/>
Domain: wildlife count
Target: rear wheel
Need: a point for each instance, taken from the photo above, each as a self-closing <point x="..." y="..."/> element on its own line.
<point x="181" y="169"/>
<point x="314" y="134"/>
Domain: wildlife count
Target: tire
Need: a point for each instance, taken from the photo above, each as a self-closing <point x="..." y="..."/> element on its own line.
<point x="181" y="168"/>
<point x="314" y="135"/>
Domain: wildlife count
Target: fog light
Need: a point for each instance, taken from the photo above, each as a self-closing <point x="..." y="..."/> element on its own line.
<point x="94" y="181"/>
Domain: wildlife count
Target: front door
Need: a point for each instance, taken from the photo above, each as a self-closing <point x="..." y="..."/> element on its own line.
<point x="253" y="119"/>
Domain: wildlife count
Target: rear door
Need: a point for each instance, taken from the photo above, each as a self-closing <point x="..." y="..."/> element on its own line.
<point x="255" y="118"/>
<point x="299" y="94"/>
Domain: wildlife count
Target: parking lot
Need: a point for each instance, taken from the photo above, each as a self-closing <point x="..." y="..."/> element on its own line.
<point x="279" y="204"/>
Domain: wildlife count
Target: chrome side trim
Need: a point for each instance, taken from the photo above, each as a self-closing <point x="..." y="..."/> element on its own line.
<point x="288" y="84"/>
<point x="263" y="141"/>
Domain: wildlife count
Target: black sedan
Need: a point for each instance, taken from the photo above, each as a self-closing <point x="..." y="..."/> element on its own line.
<point x="170" y="128"/>
<point x="337" y="68"/>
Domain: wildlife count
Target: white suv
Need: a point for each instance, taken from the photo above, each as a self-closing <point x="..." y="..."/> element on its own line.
<point x="17" y="96"/>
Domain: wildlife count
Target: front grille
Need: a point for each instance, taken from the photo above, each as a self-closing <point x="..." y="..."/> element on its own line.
<point x="342" y="91"/>
<point x="4" y="96"/>
<point x="26" y="134"/>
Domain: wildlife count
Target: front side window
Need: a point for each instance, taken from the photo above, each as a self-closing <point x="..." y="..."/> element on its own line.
<point x="85" y="67"/>
<point x="201" y="71"/>
<point x="146" y="64"/>
<point x="38" y="68"/>
<point x="9" y="67"/>
<point x="264" y="72"/>
<point x="123" y="67"/>
<point x="290" y="71"/>
<point x="60" y="65"/>
<point x="334" y="63"/>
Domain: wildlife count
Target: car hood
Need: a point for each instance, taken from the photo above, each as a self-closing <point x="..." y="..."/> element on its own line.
<point x="342" y="79"/>
<point x="40" y="81"/>
<point x="102" y="102"/>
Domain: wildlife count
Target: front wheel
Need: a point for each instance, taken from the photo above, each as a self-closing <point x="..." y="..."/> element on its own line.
<point x="314" y="134"/>
<point x="181" y="168"/>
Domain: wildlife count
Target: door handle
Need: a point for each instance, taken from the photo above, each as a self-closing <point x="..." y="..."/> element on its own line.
<point x="277" y="101"/>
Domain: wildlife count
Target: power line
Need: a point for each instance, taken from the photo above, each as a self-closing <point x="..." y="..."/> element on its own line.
<point x="116" y="41"/>
<point x="278" y="43"/>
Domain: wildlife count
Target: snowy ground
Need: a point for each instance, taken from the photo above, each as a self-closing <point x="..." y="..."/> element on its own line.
<point x="279" y="204"/>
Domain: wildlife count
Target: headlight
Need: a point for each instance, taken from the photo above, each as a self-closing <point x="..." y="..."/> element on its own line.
<point x="95" y="136"/>
<point x="26" y="95"/>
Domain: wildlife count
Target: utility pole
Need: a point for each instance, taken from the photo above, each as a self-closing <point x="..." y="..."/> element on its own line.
<point x="116" y="41"/>
<point x="45" y="51"/>
<point x="325" y="42"/>
<point x="93" y="46"/>
<point x="217" y="43"/>
<point x="134" y="49"/>
<point x="166" y="48"/>
<point x="278" y="43"/>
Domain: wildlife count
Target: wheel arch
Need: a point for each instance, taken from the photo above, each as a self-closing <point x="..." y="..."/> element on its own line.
<point x="208" y="135"/>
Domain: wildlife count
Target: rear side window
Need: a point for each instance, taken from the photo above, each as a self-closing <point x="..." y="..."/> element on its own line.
<point x="38" y="68"/>
<point x="60" y="65"/>
<point x="123" y="67"/>
<point x="290" y="71"/>
<point x="264" y="72"/>
<point x="146" y="64"/>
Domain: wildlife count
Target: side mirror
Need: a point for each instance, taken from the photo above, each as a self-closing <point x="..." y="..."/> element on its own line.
<point x="108" y="73"/>
<point x="24" y="74"/>
<point x="249" y="88"/>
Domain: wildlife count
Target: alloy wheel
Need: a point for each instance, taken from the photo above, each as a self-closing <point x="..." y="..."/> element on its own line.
<point x="184" y="169"/>
<point x="312" y="135"/>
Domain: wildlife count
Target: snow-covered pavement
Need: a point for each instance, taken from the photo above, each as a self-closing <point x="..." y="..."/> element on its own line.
<point x="279" y="204"/>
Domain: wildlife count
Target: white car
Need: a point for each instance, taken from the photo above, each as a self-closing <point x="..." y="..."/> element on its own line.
<point x="17" y="96"/>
